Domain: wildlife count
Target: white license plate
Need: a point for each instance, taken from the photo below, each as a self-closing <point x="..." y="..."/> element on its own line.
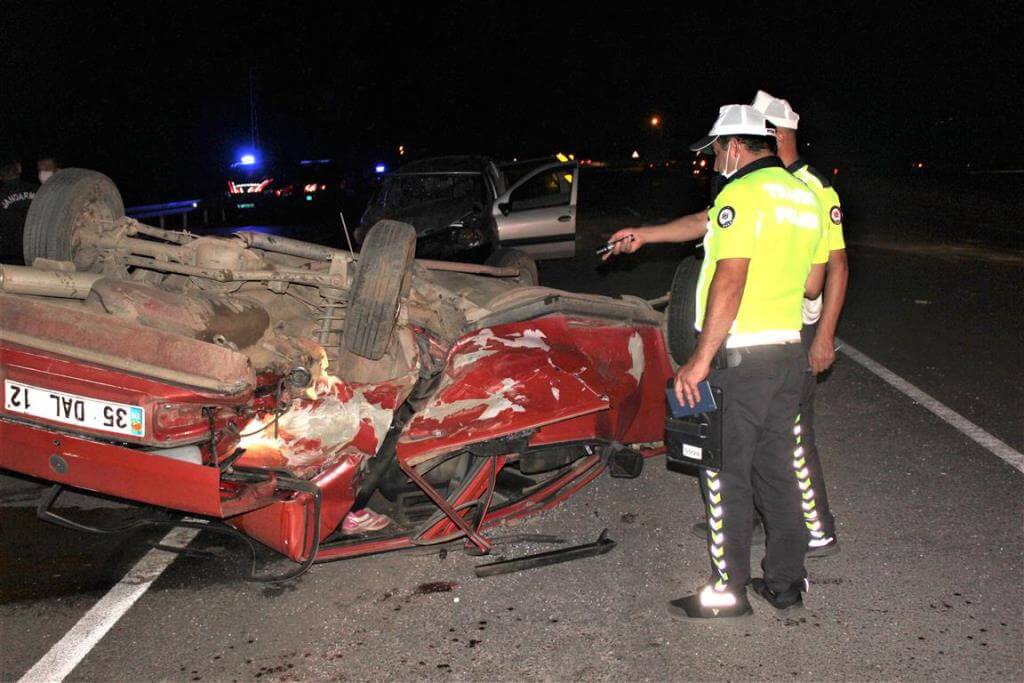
<point x="71" y="409"/>
<point x="693" y="452"/>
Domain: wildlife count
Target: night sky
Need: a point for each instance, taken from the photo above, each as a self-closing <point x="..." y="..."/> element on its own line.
<point x="156" y="95"/>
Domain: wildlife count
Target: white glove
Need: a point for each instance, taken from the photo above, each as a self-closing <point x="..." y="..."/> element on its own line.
<point x="812" y="310"/>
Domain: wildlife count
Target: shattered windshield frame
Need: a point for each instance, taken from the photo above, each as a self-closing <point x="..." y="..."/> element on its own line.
<point x="408" y="190"/>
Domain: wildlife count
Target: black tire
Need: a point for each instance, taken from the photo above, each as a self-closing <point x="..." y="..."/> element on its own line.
<point x="381" y="279"/>
<point x="63" y="205"/>
<point x="682" y="310"/>
<point x="514" y="258"/>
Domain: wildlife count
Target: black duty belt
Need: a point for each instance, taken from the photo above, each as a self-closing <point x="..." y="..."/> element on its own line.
<point x="731" y="358"/>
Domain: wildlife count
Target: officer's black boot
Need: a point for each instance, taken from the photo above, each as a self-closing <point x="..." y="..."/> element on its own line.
<point x="787" y="601"/>
<point x="709" y="604"/>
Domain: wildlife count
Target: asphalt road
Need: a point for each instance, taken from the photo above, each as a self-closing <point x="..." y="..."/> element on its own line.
<point x="927" y="584"/>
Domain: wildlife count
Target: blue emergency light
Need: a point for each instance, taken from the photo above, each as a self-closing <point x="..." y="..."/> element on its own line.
<point x="246" y="159"/>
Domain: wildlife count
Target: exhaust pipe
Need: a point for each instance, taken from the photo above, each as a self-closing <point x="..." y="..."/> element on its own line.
<point x="67" y="285"/>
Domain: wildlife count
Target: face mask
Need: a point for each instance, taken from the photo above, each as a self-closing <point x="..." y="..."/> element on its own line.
<point x="44" y="176"/>
<point x="726" y="173"/>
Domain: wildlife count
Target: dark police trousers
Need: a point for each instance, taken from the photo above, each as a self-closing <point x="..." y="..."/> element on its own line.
<point x="761" y="454"/>
<point x="827" y="526"/>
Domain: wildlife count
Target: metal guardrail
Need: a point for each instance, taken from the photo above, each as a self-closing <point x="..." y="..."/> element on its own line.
<point x="182" y="208"/>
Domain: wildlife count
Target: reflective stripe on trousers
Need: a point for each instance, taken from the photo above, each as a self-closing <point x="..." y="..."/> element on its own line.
<point x="803" y="479"/>
<point x="716" y="529"/>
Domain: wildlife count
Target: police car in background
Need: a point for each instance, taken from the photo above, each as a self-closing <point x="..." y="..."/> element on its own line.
<point x="264" y="188"/>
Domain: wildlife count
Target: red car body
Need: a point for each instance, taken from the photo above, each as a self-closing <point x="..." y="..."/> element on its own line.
<point x="562" y="378"/>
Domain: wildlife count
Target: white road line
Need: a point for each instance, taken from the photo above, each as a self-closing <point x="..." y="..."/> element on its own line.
<point x="63" y="657"/>
<point x="961" y="423"/>
<point x="90" y="629"/>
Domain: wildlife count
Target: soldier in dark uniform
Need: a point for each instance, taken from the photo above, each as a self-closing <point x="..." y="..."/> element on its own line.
<point x="15" y="197"/>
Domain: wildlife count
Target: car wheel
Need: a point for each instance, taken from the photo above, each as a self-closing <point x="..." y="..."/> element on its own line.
<point x="382" y="278"/>
<point x="682" y="310"/>
<point x="68" y="207"/>
<point x="514" y="258"/>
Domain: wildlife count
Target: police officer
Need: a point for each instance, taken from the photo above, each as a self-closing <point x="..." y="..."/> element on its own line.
<point x="818" y="336"/>
<point x="15" y="197"/>
<point x="820" y="315"/>
<point x="764" y="235"/>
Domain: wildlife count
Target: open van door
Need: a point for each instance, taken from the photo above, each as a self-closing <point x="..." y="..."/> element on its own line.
<point x="537" y="214"/>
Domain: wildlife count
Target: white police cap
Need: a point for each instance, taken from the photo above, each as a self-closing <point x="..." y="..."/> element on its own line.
<point x="735" y="119"/>
<point x="776" y="110"/>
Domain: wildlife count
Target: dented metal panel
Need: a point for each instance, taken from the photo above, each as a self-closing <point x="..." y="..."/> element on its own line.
<point x="102" y="339"/>
<point x="235" y="319"/>
<point x="333" y="421"/>
<point x="573" y="378"/>
<point x="504" y="380"/>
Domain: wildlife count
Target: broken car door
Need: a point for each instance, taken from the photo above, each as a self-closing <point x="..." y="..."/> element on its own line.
<point x="538" y="213"/>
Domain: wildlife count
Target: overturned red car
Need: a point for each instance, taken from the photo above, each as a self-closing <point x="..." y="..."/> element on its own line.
<point x="278" y="385"/>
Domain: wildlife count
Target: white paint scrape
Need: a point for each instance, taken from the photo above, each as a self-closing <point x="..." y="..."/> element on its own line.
<point x="379" y="418"/>
<point x="529" y="339"/>
<point x="494" y="405"/>
<point x="636" y="353"/>
<point x="333" y="423"/>
<point x="464" y="359"/>
<point x="533" y="339"/>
